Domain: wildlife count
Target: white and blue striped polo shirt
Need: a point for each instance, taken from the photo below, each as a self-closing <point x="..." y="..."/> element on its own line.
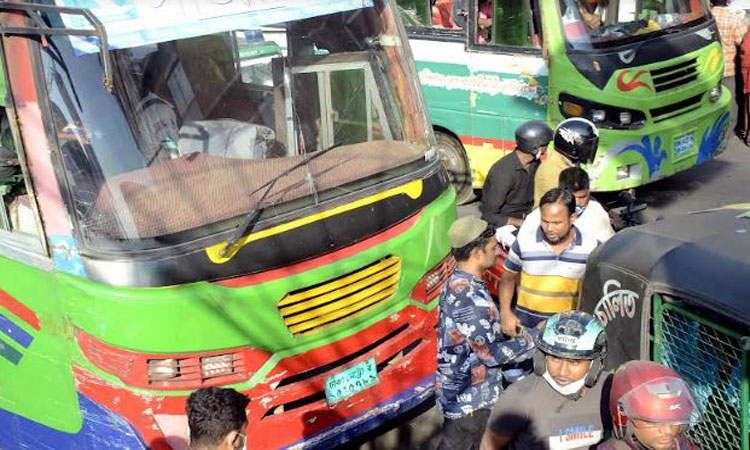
<point x="550" y="283"/>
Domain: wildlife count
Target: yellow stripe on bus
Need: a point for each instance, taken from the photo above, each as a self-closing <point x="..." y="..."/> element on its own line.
<point x="389" y="284"/>
<point x="355" y="308"/>
<point x="391" y="274"/>
<point x="375" y="272"/>
<point x="413" y="189"/>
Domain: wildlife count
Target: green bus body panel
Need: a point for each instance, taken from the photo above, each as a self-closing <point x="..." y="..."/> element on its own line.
<point x="41" y="385"/>
<point x="206" y="316"/>
<point x="476" y="103"/>
<point x="448" y="108"/>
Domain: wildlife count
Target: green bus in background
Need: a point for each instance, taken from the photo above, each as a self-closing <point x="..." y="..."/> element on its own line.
<point x="647" y="72"/>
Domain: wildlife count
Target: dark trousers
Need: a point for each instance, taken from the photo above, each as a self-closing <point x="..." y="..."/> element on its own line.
<point x="464" y="433"/>
<point x="731" y="84"/>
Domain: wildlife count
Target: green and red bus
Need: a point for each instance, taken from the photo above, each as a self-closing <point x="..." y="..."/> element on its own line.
<point x="214" y="194"/>
<point x="647" y="72"/>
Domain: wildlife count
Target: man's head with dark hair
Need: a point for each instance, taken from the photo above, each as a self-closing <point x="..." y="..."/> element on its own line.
<point x="558" y="210"/>
<point x="576" y="180"/>
<point x="217" y="418"/>
<point x="719" y="2"/>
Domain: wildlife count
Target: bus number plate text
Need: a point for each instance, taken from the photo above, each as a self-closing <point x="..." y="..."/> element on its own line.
<point x="683" y="144"/>
<point x="351" y="381"/>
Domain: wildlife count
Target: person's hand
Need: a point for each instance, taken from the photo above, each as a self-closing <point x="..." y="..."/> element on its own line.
<point x="505" y="235"/>
<point x="509" y="323"/>
<point x="592" y="20"/>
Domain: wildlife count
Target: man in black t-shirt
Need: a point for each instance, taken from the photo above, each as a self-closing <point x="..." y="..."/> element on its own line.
<point x="508" y="192"/>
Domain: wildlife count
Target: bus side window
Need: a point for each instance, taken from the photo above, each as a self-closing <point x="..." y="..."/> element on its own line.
<point x="17" y="212"/>
<point x="436" y="14"/>
<point x="508" y="23"/>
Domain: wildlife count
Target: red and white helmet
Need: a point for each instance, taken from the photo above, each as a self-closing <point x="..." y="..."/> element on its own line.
<point x="651" y="392"/>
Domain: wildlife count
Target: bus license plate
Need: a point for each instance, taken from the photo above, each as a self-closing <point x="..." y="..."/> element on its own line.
<point x="683" y="144"/>
<point x="351" y="381"/>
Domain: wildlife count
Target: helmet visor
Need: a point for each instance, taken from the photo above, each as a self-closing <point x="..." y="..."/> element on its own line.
<point x="659" y="401"/>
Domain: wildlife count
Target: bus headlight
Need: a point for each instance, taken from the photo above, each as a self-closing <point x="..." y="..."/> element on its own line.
<point x="430" y="285"/>
<point x="180" y="371"/>
<point x="604" y="116"/>
<point x="715" y="93"/>
<point x="598" y="115"/>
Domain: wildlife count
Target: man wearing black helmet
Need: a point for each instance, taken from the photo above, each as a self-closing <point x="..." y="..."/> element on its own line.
<point x="559" y="406"/>
<point x="509" y="188"/>
<point x="576" y="141"/>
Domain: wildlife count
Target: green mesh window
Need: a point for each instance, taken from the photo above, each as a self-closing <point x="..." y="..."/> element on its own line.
<point x="710" y="358"/>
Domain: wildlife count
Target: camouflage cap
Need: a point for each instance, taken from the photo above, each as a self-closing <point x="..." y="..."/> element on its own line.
<point x="465" y="230"/>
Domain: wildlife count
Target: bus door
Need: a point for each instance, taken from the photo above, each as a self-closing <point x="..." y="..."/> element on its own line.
<point x="482" y="72"/>
<point x="509" y="75"/>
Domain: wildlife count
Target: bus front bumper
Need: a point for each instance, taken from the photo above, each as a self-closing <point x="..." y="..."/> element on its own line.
<point x="636" y="157"/>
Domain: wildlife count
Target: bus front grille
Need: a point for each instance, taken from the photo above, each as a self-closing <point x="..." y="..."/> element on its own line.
<point x="676" y="109"/>
<point x="313" y="308"/>
<point x="674" y="76"/>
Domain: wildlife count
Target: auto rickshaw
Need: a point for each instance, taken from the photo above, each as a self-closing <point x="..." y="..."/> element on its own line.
<point x="675" y="292"/>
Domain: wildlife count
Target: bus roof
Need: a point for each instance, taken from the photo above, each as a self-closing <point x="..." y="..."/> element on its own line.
<point x="703" y="258"/>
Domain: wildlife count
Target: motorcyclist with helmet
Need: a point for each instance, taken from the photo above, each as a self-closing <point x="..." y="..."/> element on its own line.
<point x="651" y="408"/>
<point x="575" y="142"/>
<point x="508" y="191"/>
<point x="559" y="405"/>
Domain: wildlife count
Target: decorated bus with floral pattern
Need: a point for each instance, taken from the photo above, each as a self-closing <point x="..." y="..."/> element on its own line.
<point x="209" y="193"/>
<point x="646" y="72"/>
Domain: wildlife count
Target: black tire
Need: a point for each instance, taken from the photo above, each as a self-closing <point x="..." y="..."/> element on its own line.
<point x="456" y="163"/>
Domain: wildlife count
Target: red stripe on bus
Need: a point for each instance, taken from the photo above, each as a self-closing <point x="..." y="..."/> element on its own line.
<point x="19" y="309"/>
<point x="499" y="144"/>
<point x="249" y="280"/>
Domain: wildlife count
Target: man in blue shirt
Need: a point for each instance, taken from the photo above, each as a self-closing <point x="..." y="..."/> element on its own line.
<point x="471" y="347"/>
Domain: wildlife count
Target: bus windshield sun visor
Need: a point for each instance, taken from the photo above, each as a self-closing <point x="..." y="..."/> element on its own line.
<point x="135" y="23"/>
<point x="40" y="28"/>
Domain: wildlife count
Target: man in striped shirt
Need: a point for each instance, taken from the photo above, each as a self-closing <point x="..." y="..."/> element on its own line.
<point x="550" y="264"/>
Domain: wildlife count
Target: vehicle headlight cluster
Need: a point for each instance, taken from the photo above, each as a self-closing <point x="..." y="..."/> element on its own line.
<point x="604" y="116"/>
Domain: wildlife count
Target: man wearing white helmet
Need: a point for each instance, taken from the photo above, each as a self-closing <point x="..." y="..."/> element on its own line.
<point x="576" y="140"/>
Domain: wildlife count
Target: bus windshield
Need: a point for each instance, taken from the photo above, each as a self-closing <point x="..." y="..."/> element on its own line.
<point x="606" y="23"/>
<point x="196" y="127"/>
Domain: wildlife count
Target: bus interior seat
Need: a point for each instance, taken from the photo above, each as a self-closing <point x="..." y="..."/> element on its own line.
<point x="228" y="138"/>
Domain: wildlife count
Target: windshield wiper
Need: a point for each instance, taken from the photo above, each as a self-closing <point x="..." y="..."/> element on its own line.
<point x="251" y="218"/>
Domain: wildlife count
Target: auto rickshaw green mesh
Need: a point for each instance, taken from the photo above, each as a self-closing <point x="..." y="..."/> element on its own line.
<point x="710" y="358"/>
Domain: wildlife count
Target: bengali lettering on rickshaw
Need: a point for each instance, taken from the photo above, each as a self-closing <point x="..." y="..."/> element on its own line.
<point x="615" y="302"/>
